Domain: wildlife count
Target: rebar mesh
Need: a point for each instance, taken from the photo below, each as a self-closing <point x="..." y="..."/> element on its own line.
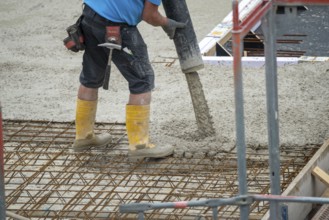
<point x="44" y="179"/>
<point x="322" y="213"/>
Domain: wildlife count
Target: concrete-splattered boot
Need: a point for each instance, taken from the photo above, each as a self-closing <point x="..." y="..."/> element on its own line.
<point x="84" y="123"/>
<point x="137" y="123"/>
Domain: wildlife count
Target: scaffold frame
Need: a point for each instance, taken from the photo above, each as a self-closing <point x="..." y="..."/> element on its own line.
<point x="264" y="12"/>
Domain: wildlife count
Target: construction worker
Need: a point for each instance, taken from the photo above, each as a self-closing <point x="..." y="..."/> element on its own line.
<point x="133" y="63"/>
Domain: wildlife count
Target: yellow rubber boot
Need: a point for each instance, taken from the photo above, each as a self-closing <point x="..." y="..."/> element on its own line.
<point x="137" y="123"/>
<point x="84" y="123"/>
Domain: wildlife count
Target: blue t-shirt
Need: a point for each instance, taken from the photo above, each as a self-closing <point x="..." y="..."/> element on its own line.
<point x="122" y="11"/>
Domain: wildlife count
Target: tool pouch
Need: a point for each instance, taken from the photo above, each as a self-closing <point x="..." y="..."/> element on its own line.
<point x="113" y="34"/>
<point x="75" y="40"/>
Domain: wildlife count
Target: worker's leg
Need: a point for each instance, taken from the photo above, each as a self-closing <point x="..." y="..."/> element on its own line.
<point x="91" y="78"/>
<point x="85" y="120"/>
<point x="140" y="99"/>
<point x="87" y="94"/>
<point x="133" y="63"/>
<point x="137" y="113"/>
<point x="137" y="123"/>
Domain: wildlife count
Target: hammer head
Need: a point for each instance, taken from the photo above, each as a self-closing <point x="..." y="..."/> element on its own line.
<point x="110" y="46"/>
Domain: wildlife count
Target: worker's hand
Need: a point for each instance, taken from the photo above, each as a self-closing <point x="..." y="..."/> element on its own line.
<point x="171" y="26"/>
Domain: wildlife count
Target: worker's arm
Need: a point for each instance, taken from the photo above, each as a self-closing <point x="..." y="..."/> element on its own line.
<point x="152" y="16"/>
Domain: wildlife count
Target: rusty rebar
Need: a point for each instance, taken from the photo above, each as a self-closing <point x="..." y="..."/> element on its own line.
<point x="44" y="179"/>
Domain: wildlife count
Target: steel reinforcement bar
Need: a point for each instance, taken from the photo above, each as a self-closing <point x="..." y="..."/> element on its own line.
<point x="44" y="179"/>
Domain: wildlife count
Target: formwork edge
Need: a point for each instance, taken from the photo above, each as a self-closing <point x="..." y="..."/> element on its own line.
<point x="306" y="185"/>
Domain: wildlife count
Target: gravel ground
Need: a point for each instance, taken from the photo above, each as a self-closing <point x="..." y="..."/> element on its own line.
<point x="39" y="80"/>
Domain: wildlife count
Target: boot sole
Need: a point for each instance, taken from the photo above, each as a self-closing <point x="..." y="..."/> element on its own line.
<point x="137" y="158"/>
<point x="81" y="149"/>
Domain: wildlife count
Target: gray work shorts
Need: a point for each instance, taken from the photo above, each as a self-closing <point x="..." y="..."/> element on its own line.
<point x="132" y="61"/>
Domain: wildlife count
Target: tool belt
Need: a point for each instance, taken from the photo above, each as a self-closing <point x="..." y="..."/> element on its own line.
<point x="75" y="39"/>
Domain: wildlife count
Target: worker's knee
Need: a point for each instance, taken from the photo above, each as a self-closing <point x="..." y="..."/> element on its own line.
<point x="140" y="99"/>
<point x="87" y="94"/>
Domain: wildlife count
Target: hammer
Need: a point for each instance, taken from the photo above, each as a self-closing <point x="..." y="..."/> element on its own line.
<point x="112" y="47"/>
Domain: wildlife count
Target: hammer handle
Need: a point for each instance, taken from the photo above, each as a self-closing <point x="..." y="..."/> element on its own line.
<point x="107" y="77"/>
<point x="107" y="72"/>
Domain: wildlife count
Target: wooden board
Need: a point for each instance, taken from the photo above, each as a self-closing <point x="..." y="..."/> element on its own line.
<point x="254" y="62"/>
<point x="321" y="175"/>
<point x="326" y="193"/>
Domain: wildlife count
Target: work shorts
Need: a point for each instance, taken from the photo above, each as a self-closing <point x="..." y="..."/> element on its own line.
<point x="132" y="60"/>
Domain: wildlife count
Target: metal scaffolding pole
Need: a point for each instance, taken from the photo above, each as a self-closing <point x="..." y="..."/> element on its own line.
<point x="239" y="31"/>
<point x="268" y="25"/>
<point x="2" y="182"/>
<point x="239" y="109"/>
